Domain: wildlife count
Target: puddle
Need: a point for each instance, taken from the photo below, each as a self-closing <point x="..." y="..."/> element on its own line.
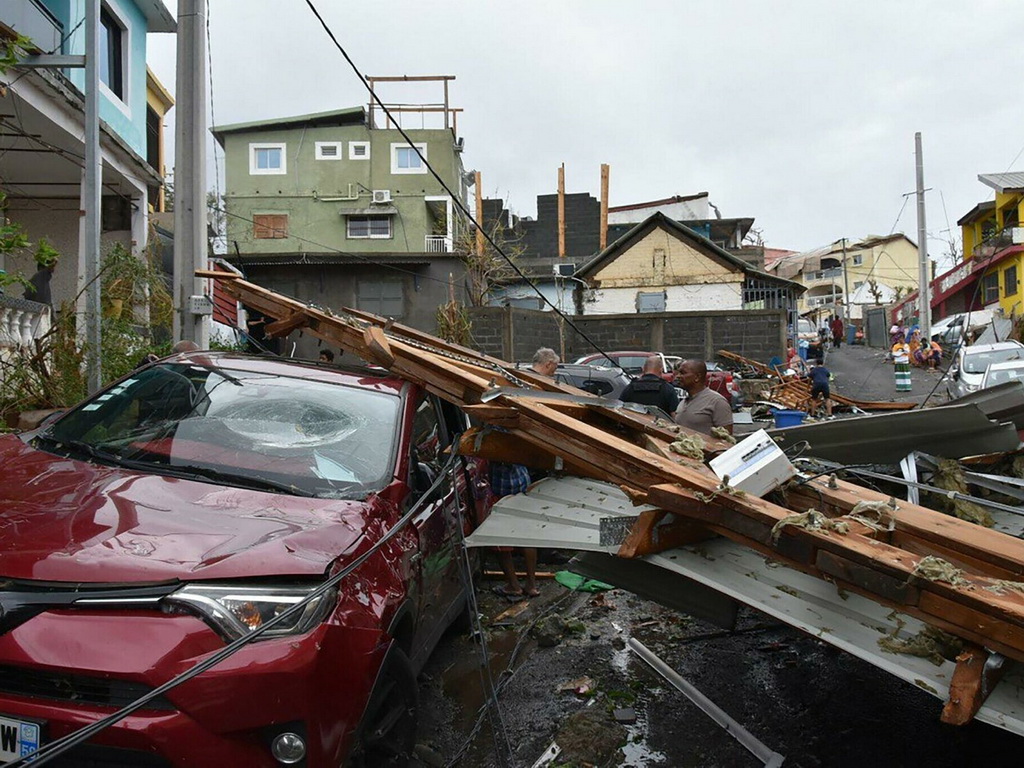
<point x="461" y="681"/>
<point x="638" y="752"/>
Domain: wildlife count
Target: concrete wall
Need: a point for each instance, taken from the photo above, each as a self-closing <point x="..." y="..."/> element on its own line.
<point x="515" y="334"/>
<point x="678" y="298"/>
<point x="58" y="221"/>
<point x="309" y="190"/>
<point x="334" y="286"/>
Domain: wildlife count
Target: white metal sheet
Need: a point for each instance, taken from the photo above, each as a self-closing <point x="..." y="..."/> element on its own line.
<point x="565" y="513"/>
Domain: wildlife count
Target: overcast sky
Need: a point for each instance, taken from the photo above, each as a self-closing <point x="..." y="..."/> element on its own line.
<point x="800" y="114"/>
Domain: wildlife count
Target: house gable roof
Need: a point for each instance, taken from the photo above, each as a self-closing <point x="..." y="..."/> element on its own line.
<point x="700" y="243"/>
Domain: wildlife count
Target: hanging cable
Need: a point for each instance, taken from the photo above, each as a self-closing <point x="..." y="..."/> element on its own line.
<point x="56" y="748"/>
<point x="455" y="198"/>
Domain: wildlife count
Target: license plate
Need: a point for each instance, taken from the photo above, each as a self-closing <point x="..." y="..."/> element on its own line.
<point x="18" y="738"/>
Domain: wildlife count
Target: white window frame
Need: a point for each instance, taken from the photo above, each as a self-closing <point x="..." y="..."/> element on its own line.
<point x="338" y="145"/>
<point x="254" y="171"/>
<point x="121" y="102"/>
<point x="352" y="150"/>
<point x="388" y="236"/>
<point x="858" y="259"/>
<point x="421" y="146"/>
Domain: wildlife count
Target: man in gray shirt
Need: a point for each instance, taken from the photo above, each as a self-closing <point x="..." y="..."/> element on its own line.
<point x="703" y="408"/>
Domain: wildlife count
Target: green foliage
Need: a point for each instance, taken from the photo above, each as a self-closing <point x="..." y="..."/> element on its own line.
<point x="137" y="314"/>
<point x="46" y="254"/>
<point x="12" y="51"/>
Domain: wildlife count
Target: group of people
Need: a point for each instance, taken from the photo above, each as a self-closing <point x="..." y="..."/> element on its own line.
<point x="701" y="410"/>
<point x="908" y="348"/>
<point x="818" y="375"/>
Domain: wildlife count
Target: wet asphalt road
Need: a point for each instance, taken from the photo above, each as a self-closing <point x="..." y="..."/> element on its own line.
<point x="804" y="699"/>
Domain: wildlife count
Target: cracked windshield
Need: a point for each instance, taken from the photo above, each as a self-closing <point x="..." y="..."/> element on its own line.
<point x="272" y="432"/>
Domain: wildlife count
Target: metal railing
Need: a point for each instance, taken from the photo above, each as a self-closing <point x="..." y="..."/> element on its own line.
<point x="825" y="274"/>
<point x="1003" y="239"/>
<point x="437" y="244"/>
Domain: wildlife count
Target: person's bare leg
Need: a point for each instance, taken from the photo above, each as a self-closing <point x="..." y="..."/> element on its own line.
<point x="828" y="406"/>
<point x="512" y="585"/>
<point x="530" y="555"/>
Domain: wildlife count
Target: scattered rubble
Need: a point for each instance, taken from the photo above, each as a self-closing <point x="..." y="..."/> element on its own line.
<point x="591" y="737"/>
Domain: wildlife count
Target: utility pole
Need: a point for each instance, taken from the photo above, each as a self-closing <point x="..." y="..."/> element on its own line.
<point x="846" y="287"/>
<point x="924" y="276"/>
<point x="191" y="307"/>
<point x="91" y="201"/>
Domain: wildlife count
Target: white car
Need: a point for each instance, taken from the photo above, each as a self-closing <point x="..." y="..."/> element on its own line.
<point x="969" y="366"/>
<point x="1000" y="373"/>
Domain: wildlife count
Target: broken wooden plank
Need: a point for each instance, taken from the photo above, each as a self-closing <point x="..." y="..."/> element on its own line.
<point x="293" y="322"/>
<point x="377" y="344"/>
<point x="650" y="535"/>
<point x="977" y="673"/>
<point x="610" y="448"/>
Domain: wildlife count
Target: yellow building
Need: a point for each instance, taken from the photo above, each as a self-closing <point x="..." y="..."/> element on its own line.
<point x="993" y="241"/>
<point x="158" y="104"/>
<point x="872" y="270"/>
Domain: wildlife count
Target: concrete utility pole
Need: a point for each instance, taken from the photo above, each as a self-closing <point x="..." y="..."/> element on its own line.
<point x="846" y="287"/>
<point x="191" y="313"/>
<point x="91" y="200"/>
<point x="924" y="277"/>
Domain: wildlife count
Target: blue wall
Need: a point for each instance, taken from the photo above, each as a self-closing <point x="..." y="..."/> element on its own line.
<point x="128" y="119"/>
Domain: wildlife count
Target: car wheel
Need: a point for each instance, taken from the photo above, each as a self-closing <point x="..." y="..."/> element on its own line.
<point x="387" y="734"/>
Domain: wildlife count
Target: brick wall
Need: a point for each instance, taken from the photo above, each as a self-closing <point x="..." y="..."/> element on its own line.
<point x="515" y="334"/>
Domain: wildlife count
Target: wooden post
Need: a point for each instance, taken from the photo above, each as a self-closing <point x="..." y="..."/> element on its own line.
<point x="605" y="170"/>
<point x="479" y="216"/>
<point x="561" y="211"/>
<point x="446" y="112"/>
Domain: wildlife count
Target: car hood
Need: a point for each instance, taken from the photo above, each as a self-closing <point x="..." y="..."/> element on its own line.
<point x="67" y="520"/>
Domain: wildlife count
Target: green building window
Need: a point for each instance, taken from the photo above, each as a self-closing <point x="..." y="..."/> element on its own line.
<point x="378" y="226"/>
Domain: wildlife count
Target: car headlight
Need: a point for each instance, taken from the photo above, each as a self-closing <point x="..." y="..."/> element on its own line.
<point x="236" y="610"/>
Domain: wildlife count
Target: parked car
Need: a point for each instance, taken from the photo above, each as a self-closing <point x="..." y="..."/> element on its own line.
<point x="720" y="380"/>
<point x="597" y="380"/>
<point x="1000" y="373"/>
<point x="189" y="503"/>
<point x="970" y="363"/>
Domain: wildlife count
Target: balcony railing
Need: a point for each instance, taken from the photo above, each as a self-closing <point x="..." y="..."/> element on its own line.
<point x="33" y="20"/>
<point x="21" y="322"/>
<point x="825" y="274"/>
<point x="997" y="242"/>
<point x="437" y="244"/>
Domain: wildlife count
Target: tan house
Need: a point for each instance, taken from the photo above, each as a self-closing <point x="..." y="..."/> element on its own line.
<point x="661" y="265"/>
<point x="852" y="273"/>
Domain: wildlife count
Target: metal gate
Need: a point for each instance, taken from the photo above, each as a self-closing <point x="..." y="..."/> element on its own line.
<point x="876" y="325"/>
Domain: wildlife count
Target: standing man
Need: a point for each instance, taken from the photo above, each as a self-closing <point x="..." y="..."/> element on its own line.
<point x="837" y="331"/>
<point x="703" y="408"/>
<point x="651" y="388"/>
<point x="509" y="479"/>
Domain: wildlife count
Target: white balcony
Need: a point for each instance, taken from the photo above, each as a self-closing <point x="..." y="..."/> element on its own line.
<point x="21" y="322"/>
<point x="437" y="244"/>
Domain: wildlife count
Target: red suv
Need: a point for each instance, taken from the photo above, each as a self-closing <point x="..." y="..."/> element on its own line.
<point x="187" y="505"/>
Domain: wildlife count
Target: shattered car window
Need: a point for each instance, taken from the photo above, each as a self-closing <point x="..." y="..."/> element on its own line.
<point x="205" y="422"/>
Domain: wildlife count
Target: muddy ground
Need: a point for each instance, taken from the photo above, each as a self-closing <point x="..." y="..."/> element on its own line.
<point x="815" y="705"/>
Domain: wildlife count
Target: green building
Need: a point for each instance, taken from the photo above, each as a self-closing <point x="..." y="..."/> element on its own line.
<point x="329" y="209"/>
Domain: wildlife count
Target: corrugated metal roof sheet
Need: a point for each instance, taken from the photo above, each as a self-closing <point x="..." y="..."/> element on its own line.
<point x="565" y="513"/>
<point x="1002" y="181"/>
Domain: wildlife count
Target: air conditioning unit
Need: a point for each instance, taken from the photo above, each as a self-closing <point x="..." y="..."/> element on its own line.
<point x="382" y="195"/>
<point x="565" y="270"/>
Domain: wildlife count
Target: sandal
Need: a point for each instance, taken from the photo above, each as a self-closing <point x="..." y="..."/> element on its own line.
<point x="532" y="592"/>
<point x="508" y="594"/>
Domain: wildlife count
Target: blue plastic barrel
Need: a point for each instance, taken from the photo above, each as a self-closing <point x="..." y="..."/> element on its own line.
<point x="787" y="418"/>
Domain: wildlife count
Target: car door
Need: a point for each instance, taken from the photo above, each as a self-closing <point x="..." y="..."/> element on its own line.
<point x="435" y="558"/>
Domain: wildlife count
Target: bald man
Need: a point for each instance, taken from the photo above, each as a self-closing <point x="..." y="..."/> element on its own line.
<point x="703" y="408"/>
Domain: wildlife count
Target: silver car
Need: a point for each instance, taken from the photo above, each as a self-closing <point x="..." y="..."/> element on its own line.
<point x="969" y="366"/>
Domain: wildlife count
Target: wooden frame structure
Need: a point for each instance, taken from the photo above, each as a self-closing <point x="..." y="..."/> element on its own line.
<point x="978" y="595"/>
